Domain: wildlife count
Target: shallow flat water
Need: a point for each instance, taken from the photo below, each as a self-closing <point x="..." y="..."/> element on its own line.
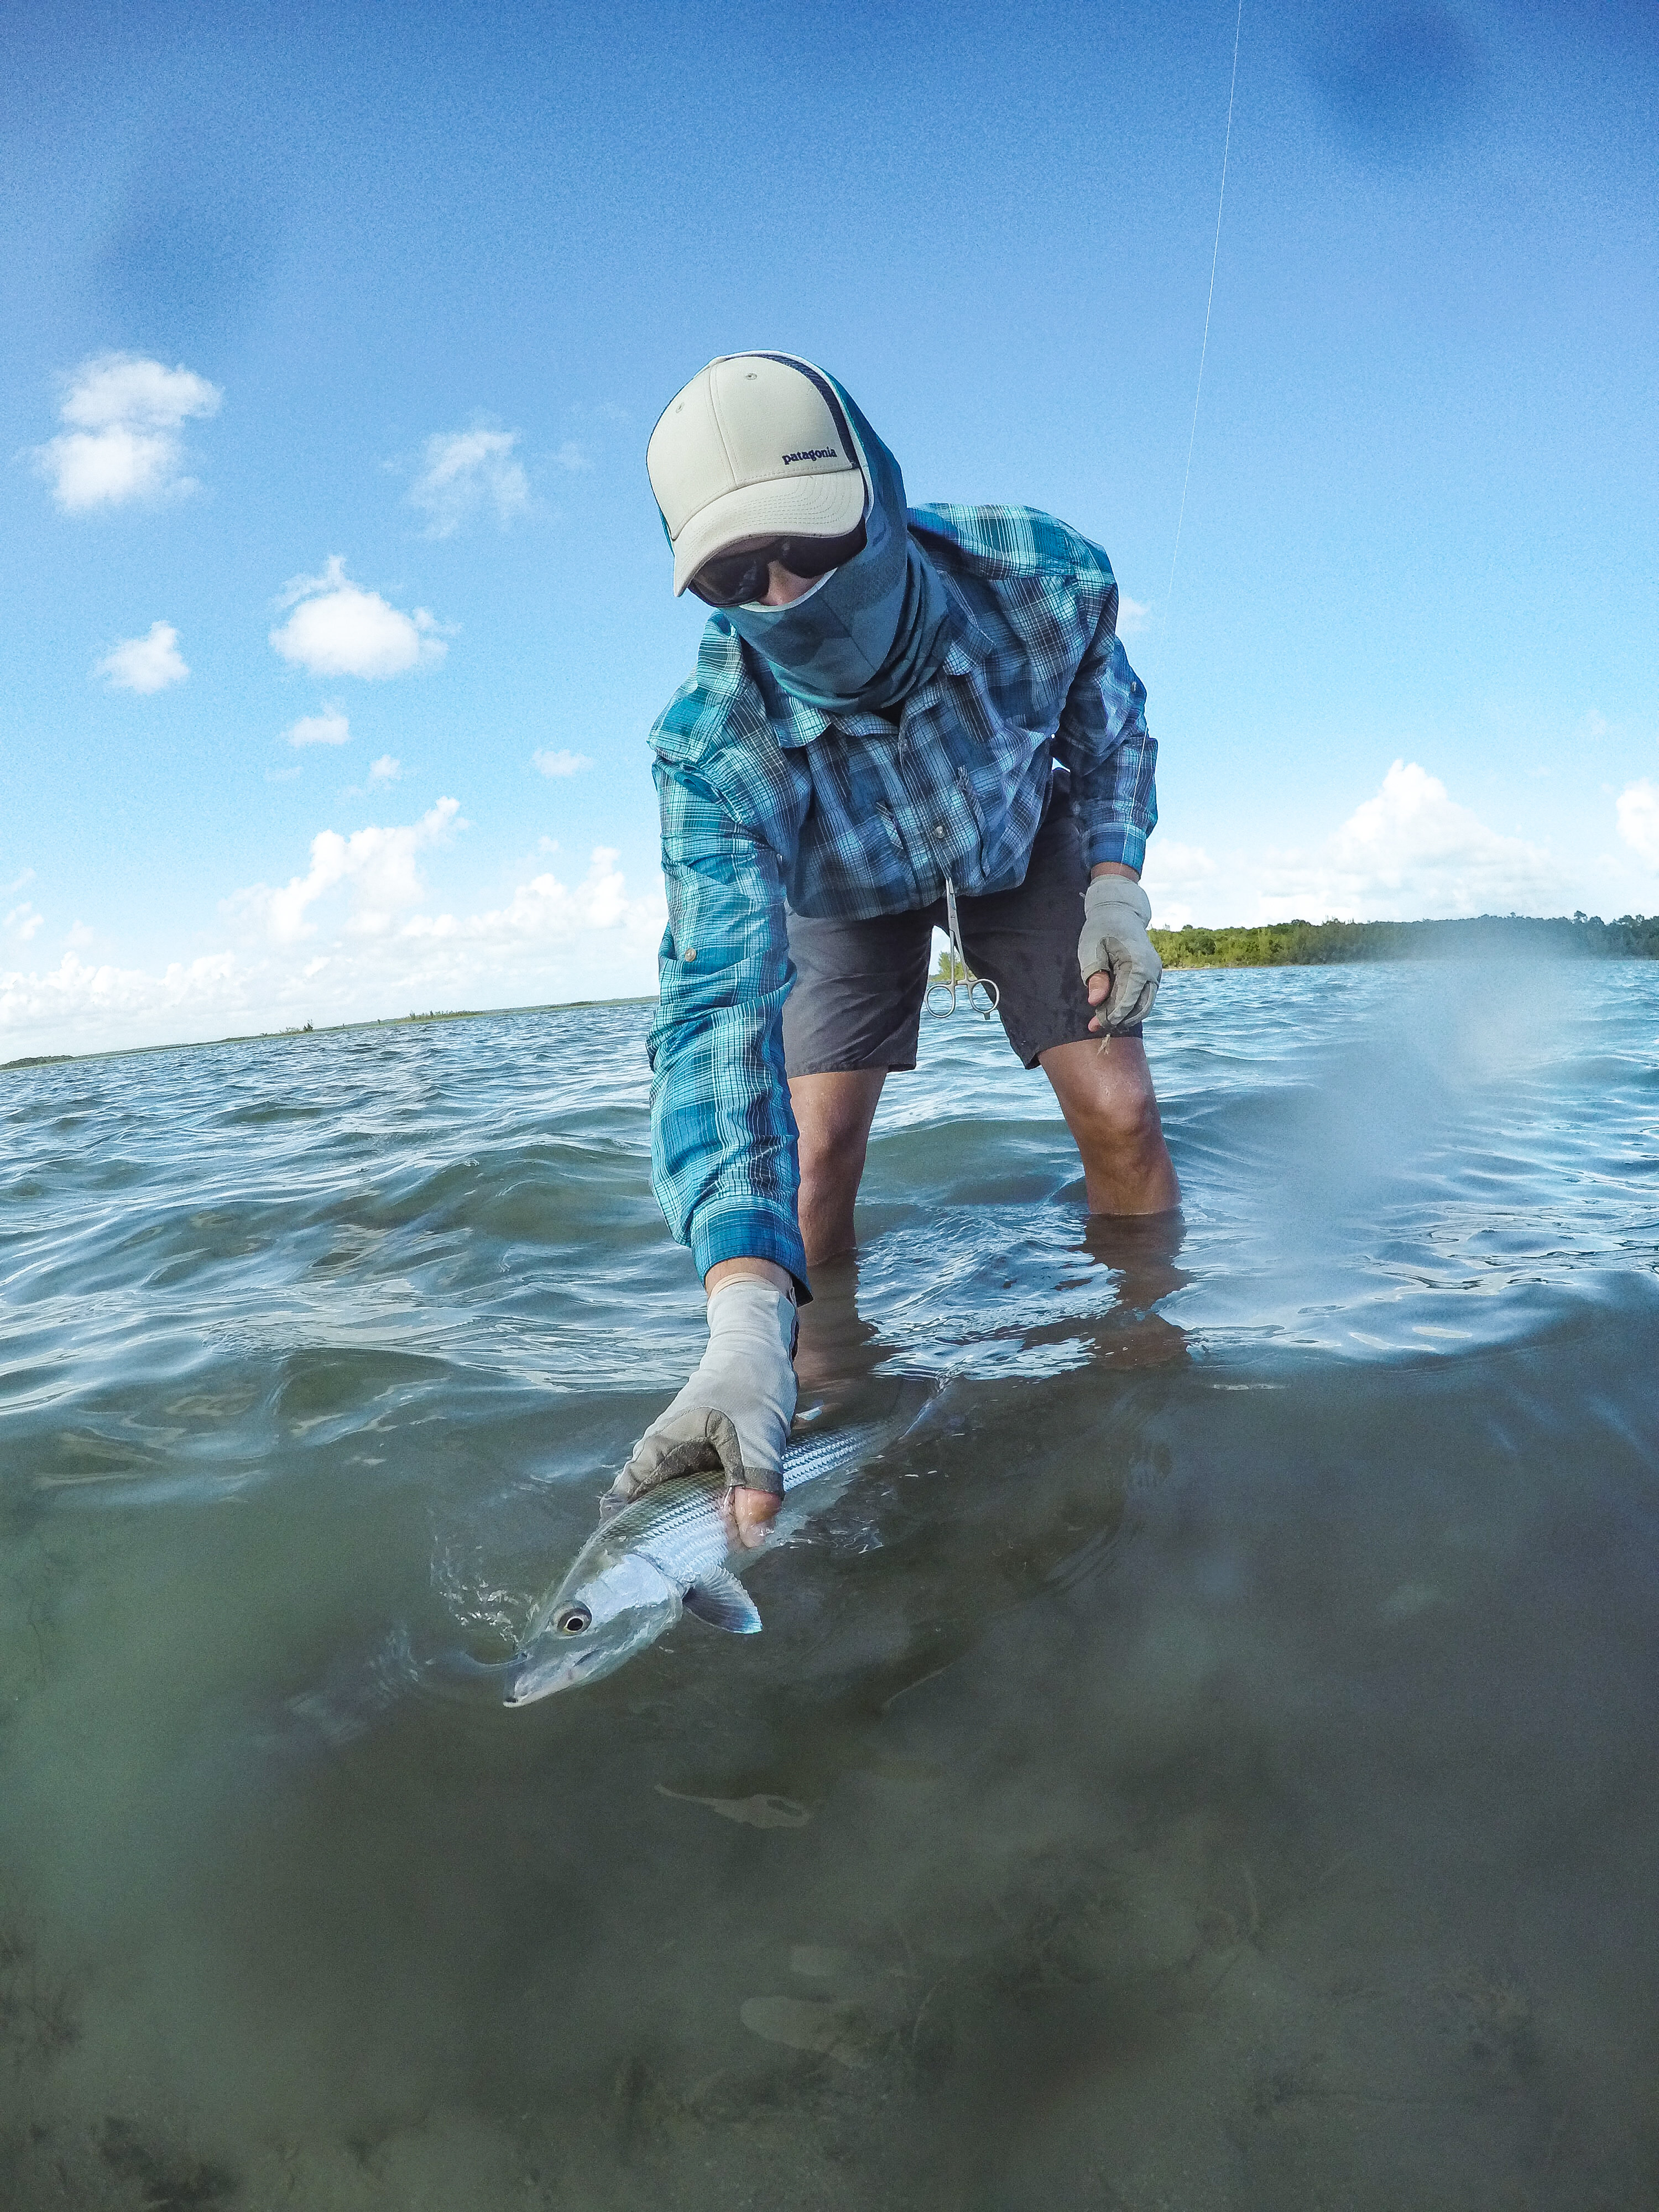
<point x="1207" y="1760"/>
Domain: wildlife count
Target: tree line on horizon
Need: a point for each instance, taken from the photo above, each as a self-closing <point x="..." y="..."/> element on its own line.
<point x="1321" y="944"/>
<point x="1330" y="944"/>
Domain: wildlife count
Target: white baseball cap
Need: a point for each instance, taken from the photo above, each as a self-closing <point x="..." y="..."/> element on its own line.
<point x="757" y="445"/>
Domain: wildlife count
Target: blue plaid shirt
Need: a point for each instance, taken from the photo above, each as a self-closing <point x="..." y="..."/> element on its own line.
<point x="764" y="798"/>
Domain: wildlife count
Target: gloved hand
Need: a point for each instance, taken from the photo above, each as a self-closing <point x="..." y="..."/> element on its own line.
<point x="1115" y="913"/>
<point x="733" y="1415"/>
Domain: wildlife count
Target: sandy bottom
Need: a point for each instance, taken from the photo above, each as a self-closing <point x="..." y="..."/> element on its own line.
<point x="1083" y="1831"/>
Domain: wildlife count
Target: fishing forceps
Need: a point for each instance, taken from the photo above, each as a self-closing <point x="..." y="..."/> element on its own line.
<point x="981" y="994"/>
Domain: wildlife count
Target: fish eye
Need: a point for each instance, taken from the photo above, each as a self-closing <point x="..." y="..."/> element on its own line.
<point x="573" y="1619"/>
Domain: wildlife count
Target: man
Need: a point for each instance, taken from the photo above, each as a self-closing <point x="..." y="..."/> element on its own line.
<point x="887" y="702"/>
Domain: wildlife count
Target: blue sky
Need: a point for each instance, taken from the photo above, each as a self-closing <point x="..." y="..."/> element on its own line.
<point x="346" y="328"/>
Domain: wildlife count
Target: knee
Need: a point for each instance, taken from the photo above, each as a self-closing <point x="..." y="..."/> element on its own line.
<point x="833" y="1113"/>
<point x="831" y="1155"/>
<point x="1123" y="1120"/>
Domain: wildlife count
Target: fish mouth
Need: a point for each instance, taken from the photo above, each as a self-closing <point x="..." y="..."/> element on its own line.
<point x="529" y="1686"/>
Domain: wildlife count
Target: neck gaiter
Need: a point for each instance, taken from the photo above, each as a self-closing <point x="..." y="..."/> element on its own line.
<point x="878" y="626"/>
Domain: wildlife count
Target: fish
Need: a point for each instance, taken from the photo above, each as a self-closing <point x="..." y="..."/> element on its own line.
<point x="666" y="1554"/>
<point x="767" y="1810"/>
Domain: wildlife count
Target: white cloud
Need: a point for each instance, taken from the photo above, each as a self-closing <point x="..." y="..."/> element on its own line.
<point x="573" y="456"/>
<point x="329" y="727"/>
<point x="388" y="769"/>
<point x="1132" y="615"/>
<point x="1408" y="854"/>
<point x="546" y="941"/>
<point x="338" y="628"/>
<point x="560" y="763"/>
<point x="1638" y="820"/>
<point x="145" y="664"/>
<point x="75" y="1006"/>
<point x="112" y="466"/>
<point x="377" y="866"/>
<point x="125" y="387"/>
<point x="540" y="909"/>
<point x="17" y="884"/>
<point x="23" y="922"/>
<point x="123" y="443"/>
<point x="1173" y="873"/>
<point x="465" y="470"/>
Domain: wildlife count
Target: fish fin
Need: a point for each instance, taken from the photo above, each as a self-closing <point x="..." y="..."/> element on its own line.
<point x="721" y="1599"/>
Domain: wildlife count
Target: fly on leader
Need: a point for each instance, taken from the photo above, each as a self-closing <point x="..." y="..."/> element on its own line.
<point x="666" y="1553"/>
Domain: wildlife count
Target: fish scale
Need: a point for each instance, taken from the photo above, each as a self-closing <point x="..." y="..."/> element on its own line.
<point x="633" y="1576"/>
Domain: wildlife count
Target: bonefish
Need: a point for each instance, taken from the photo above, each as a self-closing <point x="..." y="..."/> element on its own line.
<point x="668" y="1552"/>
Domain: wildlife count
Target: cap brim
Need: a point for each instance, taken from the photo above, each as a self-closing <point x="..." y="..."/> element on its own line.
<point x="825" y="505"/>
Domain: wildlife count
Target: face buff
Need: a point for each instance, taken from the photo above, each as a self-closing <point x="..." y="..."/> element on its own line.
<point x="873" y="629"/>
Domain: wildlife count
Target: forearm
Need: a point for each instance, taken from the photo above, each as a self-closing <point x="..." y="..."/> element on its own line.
<point x="1116" y="802"/>
<point x="1113" y="758"/>
<point x="723" y="1138"/>
<point x="725" y="1270"/>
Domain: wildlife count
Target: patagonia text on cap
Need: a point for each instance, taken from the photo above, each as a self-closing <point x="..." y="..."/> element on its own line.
<point x="757" y="446"/>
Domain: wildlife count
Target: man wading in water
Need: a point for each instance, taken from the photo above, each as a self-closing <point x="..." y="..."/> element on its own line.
<point x="885" y="701"/>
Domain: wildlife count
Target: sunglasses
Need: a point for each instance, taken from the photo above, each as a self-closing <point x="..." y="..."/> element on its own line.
<point x="736" y="580"/>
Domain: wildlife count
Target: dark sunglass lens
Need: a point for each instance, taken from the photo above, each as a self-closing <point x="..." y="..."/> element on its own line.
<point x="816" y="556"/>
<point x="737" y="580"/>
<point x="730" y="580"/>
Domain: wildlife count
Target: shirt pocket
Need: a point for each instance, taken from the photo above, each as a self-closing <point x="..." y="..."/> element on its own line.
<point x="851" y="852"/>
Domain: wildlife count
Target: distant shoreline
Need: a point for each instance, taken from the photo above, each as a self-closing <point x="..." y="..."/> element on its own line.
<point x="1268" y="944"/>
<point x="328" y="1028"/>
<point x="1487" y="935"/>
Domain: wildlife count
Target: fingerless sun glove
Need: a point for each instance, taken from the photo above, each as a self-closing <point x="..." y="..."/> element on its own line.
<point x="1115" y="913"/>
<point x="733" y="1415"/>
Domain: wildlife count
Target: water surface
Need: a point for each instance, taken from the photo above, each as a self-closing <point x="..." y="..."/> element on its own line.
<point x="1208" y="1762"/>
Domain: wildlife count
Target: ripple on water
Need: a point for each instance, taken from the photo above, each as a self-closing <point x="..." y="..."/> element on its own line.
<point x="1207" y="1763"/>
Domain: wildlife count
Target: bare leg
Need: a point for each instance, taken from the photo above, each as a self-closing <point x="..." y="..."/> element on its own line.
<point x="1111" y="1109"/>
<point x="833" y="1114"/>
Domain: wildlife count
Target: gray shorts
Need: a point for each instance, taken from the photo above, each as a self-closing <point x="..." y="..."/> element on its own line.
<point x="858" y="985"/>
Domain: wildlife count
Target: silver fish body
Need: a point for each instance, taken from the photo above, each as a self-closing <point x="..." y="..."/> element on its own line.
<point x="666" y="1553"/>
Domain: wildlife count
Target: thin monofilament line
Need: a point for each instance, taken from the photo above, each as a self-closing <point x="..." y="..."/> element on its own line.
<point x="1215" y="252"/>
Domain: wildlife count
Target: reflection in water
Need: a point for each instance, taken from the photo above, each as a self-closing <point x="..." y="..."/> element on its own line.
<point x="1205" y="1763"/>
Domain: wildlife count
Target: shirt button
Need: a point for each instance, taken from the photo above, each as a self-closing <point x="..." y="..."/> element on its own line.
<point x="939" y="828"/>
<point x="690" y="952"/>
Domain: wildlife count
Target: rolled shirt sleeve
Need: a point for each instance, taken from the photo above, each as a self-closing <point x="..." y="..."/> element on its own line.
<point x="723" y="1150"/>
<point x="1104" y="740"/>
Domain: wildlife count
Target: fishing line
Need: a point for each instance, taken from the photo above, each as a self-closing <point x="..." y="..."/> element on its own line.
<point x="1215" y="252"/>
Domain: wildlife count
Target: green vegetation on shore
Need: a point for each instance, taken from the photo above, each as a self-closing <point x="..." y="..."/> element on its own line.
<point x="1488" y="936"/>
